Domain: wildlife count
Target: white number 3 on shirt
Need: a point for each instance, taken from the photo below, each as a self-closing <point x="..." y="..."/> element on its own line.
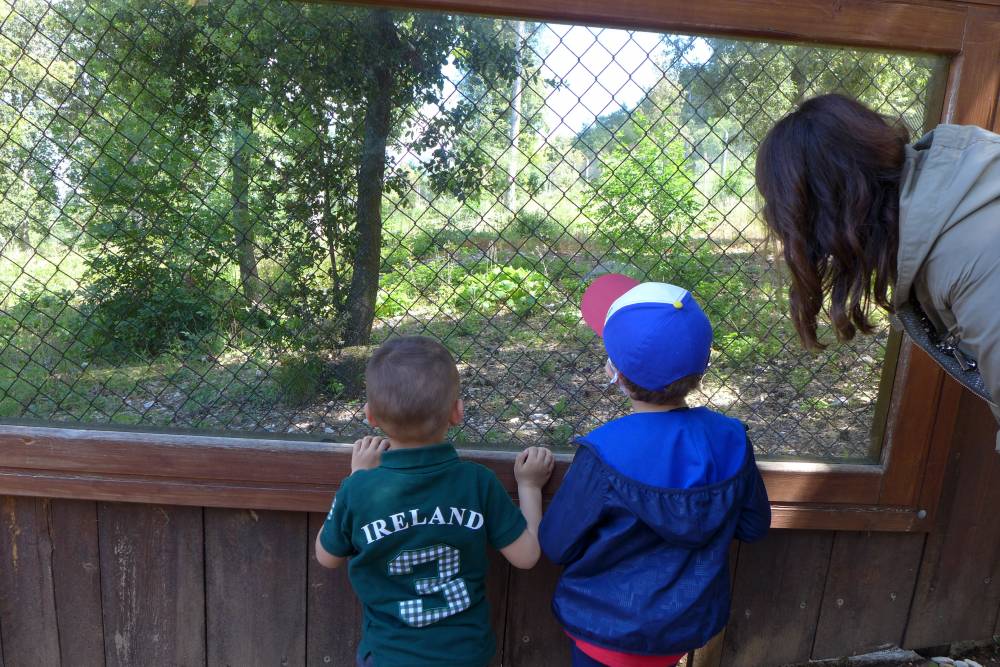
<point x="446" y="583"/>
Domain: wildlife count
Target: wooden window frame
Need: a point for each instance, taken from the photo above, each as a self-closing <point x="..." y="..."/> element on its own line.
<point x="899" y="493"/>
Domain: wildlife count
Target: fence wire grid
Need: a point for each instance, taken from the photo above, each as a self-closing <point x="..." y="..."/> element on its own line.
<point x="210" y="212"/>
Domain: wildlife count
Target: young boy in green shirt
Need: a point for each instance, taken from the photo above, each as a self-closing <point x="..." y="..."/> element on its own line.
<point x="415" y="520"/>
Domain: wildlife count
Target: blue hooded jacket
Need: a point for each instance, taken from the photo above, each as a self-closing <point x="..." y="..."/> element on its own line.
<point x="642" y="525"/>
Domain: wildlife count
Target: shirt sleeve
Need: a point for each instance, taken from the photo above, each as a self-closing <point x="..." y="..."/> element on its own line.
<point x="335" y="536"/>
<point x="574" y="510"/>
<point x="755" y="515"/>
<point x="504" y="521"/>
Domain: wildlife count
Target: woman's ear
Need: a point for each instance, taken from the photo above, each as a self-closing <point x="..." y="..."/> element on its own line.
<point x="457" y="413"/>
<point x="369" y="417"/>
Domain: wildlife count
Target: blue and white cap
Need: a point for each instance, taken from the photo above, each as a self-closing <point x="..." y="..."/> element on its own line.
<point x="656" y="334"/>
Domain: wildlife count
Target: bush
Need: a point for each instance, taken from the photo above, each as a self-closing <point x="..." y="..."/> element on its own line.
<point x="737" y="183"/>
<point x="299" y="379"/>
<point x="303" y="378"/>
<point x="151" y="312"/>
<point x="426" y="243"/>
<point x="406" y="287"/>
<point x="644" y="200"/>
<point x="502" y="287"/>
<point x="536" y="225"/>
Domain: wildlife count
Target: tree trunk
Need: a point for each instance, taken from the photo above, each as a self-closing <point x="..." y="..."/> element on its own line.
<point x="799" y="79"/>
<point x="371" y="180"/>
<point x="242" y="224"/>
<point x="330" y="225"/>
<point x="725" y="156"/>
<point x="515" y="119"/>
<point x="22" y="235"/>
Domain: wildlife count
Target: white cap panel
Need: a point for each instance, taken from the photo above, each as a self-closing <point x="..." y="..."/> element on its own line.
<point x="647" y="293"/>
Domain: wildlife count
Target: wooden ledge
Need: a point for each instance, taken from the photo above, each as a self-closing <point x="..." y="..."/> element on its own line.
<point x="875" y="24"/>
<point x="303" y="475"/>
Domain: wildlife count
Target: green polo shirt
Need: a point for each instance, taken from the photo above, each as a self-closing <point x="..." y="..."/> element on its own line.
<point x="416" y="529"/>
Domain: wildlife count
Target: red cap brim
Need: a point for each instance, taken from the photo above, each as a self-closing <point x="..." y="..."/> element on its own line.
<point x="599" y="296"/>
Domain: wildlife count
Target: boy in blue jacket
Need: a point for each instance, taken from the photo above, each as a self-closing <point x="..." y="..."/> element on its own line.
<point x="643" y="520"/>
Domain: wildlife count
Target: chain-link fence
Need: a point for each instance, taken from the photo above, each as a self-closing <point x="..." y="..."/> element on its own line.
<point x="209" y="211"/>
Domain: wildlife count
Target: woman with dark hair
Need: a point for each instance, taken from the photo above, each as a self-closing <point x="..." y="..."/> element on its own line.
<point x="868" y="220"/>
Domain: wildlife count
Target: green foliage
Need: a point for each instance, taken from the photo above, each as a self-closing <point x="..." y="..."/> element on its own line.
<point x="211" y="163"/>
<point x="800" y="378"/>
<point x="34" y="78"/>
<point x="644" y="194"/>
<point x="536" y="225"/>
<point x="145" y="312"/>
<point x="560" y="435"/>
<point x="726" y="94"/>
<point x="484" y="292"/>
<point x="559" y="408"/>
<point x="737" y="347"/>
<point x="484" y="144"/>
<point x="407" y="286"/>
<point x="501" y="288"/>
<point x="426" y="243"/>
<point x="300" y="378"/>
<point x="737" y="183"/>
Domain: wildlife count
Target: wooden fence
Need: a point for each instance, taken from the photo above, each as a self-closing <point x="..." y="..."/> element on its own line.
<point x="95" y="582"/>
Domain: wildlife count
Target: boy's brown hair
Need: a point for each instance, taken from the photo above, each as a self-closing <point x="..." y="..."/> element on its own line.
<point x="412" y="385"/>
<point x="673" y="393"/>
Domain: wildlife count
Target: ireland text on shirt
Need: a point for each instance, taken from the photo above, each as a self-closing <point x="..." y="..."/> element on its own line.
<point x="457" y="516"/>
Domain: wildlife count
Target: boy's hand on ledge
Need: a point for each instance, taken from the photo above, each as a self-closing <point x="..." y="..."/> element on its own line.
<point x="533" y="467"/>
<point x="367" y="452"/>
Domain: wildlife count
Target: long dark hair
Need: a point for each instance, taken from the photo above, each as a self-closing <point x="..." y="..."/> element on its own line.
<point x="829" y="174"/>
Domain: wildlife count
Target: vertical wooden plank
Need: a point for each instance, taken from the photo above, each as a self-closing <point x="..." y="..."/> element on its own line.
<point x="936" y="466"/>
<point x="497" y="581"/>
<point x="27" y="598"/>
<point x="76" y="571"/>
<point x="152" y="584"/>
<point x="255" y="583"/>
<point x="533" y="635"/>
<point x="918" y="385"/>
<point x="710" y="655"/>
<point x="958" y="589"/>
<point x="973" y="94"/>
<point x="870" y="584"/>
<point x="777" y="594"/>
<point x="334" y="613"/>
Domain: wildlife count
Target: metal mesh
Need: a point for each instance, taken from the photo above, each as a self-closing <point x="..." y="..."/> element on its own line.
<point x="191" y="195"/>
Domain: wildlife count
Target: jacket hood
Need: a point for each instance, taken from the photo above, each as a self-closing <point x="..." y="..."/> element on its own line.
<point x="681" y="472"/>
<point x="948" y="174"/>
